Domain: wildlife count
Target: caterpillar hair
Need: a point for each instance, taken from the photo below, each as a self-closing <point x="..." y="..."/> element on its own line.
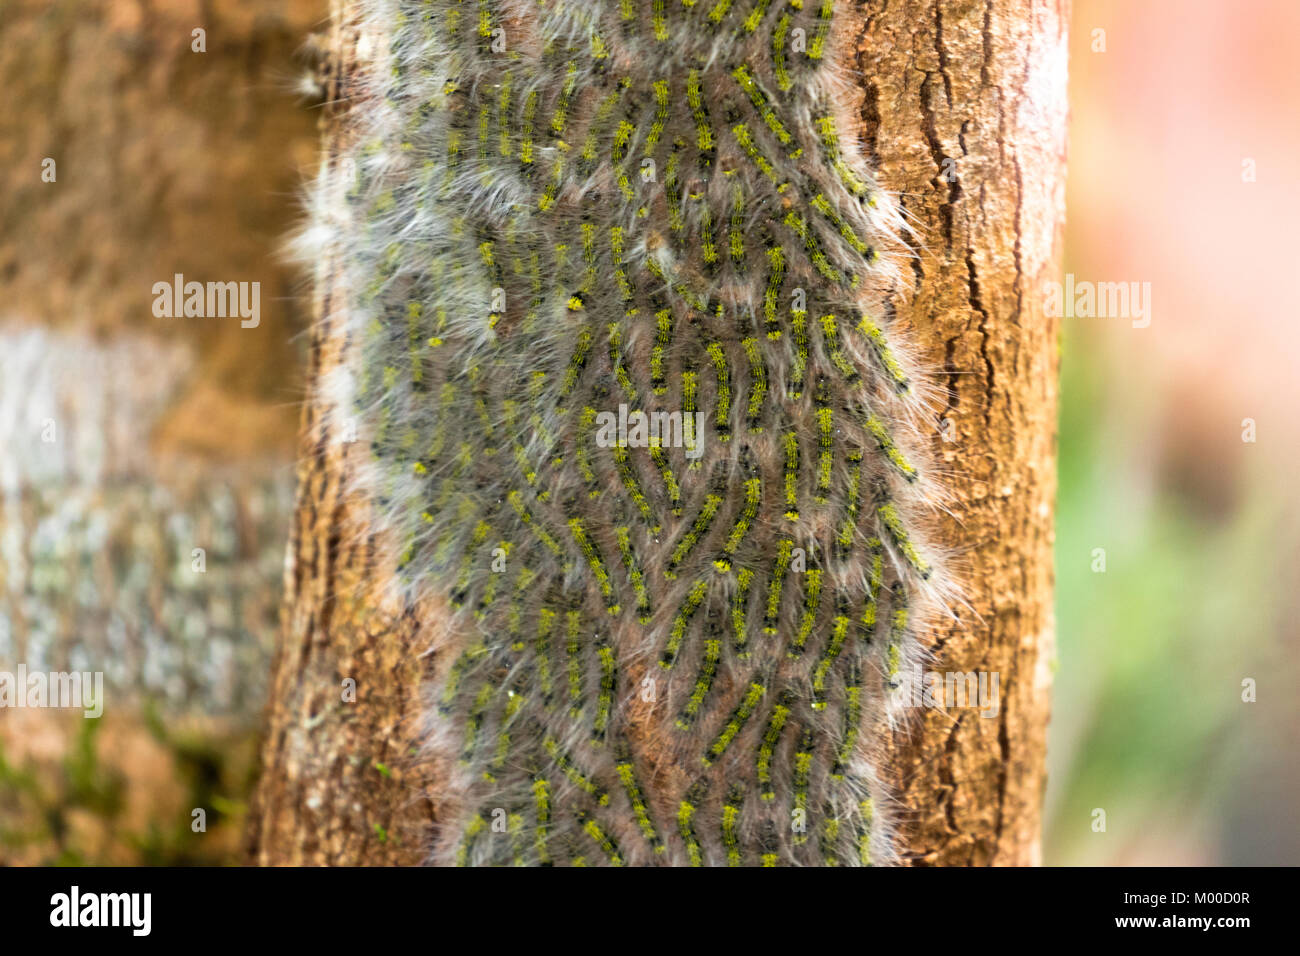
<point x="562" y="213"/>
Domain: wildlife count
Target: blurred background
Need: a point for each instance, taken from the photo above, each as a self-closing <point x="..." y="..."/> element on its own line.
<point x="146" y="464"/>
<point x="177" y="436"/>
<point x="1184" y="163"/>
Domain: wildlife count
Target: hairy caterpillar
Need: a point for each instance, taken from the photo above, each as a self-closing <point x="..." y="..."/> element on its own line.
<point x="557" y="206"/>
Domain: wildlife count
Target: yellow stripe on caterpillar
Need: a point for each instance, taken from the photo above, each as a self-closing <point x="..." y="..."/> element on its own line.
<point x="605" y="697"/>
<point x="736" y="238"/>
<point x="722" y="418"/>
<point x="660" y="89"/>
<point x="731" y="824"/>
<point x="516" y="501"/>
<point x="839" y="633"/>
<point x="733" y="726"/>
<point x="753" y="496"/>
<point x="677" y="632"/>
<point x="686" y="827"/>
<point x="703" y="681"/>
<point x="633" y="487"/>
<point x="831" y="336"/>
<point x="627" y="774"/>
<point x="812" y="602"/>
<point x="823" y="206"/>
<point x="776" y="263"/>
<point x="784" y="550"/>
<point x="602" y="839"/>
<point x="708" y="511"/>
<point x="594" y="561"/>
<point x="844" y="539"/>
<point x="790" y="443"/>
<point x="762" y="104"/>
<point x="876" y="338"/>
<point x="542" y="804"/>
<point x="758" y="384"/>
<point x="623" y="534"/>
<point x="739" y="613"/>
<point x="570" y="770"/>
<point x="779" y="68"/>
<point x="893" y="523"/>
<point x="879" y="432"/>
<point x="817" y="48"/>
<point x="703" y="132"/>
<point x="799" y="368"/>
<point x="799" y="226"/>
<point x="745" y="139"/>
<point x="767" y="747"/>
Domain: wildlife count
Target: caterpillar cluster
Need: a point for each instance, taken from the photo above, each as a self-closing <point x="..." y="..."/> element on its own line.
<point x="672" y="650"/>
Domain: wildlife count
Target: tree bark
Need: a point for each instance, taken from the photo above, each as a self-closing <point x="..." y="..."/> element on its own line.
<point x="337" y="786"/>
<point x="963" y="113"/>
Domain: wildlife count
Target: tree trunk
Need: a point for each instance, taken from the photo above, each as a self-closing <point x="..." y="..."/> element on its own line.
<point x="963" y="114"/>
<point x="337" y="786"/>
<point x="129" y="442"/>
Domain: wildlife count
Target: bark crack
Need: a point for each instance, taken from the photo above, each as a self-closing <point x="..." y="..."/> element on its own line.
<point x="976" y="303"/>
<point x="942" y="51"/>
<point x="986" y="37"/>
<point x="945" y="166"/>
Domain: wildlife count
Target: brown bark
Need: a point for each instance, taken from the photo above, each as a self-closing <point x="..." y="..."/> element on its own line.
<point x="169" y="433"/>
<point x="337" y="785"/>
<point x="168" y="161"/>
<point x="979" y="83"/>
<point x="977" y="91"/>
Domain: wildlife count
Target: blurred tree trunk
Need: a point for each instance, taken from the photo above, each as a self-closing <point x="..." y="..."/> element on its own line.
<point x="963" y="109"/>
<point x="127" y="157"/>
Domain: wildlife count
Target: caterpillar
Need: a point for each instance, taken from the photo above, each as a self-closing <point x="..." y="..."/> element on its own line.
<point x="557" y="206"/>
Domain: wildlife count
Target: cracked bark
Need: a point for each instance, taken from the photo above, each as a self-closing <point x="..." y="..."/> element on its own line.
<point x="964" y="116"/>
<point x="980" y="84"/>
